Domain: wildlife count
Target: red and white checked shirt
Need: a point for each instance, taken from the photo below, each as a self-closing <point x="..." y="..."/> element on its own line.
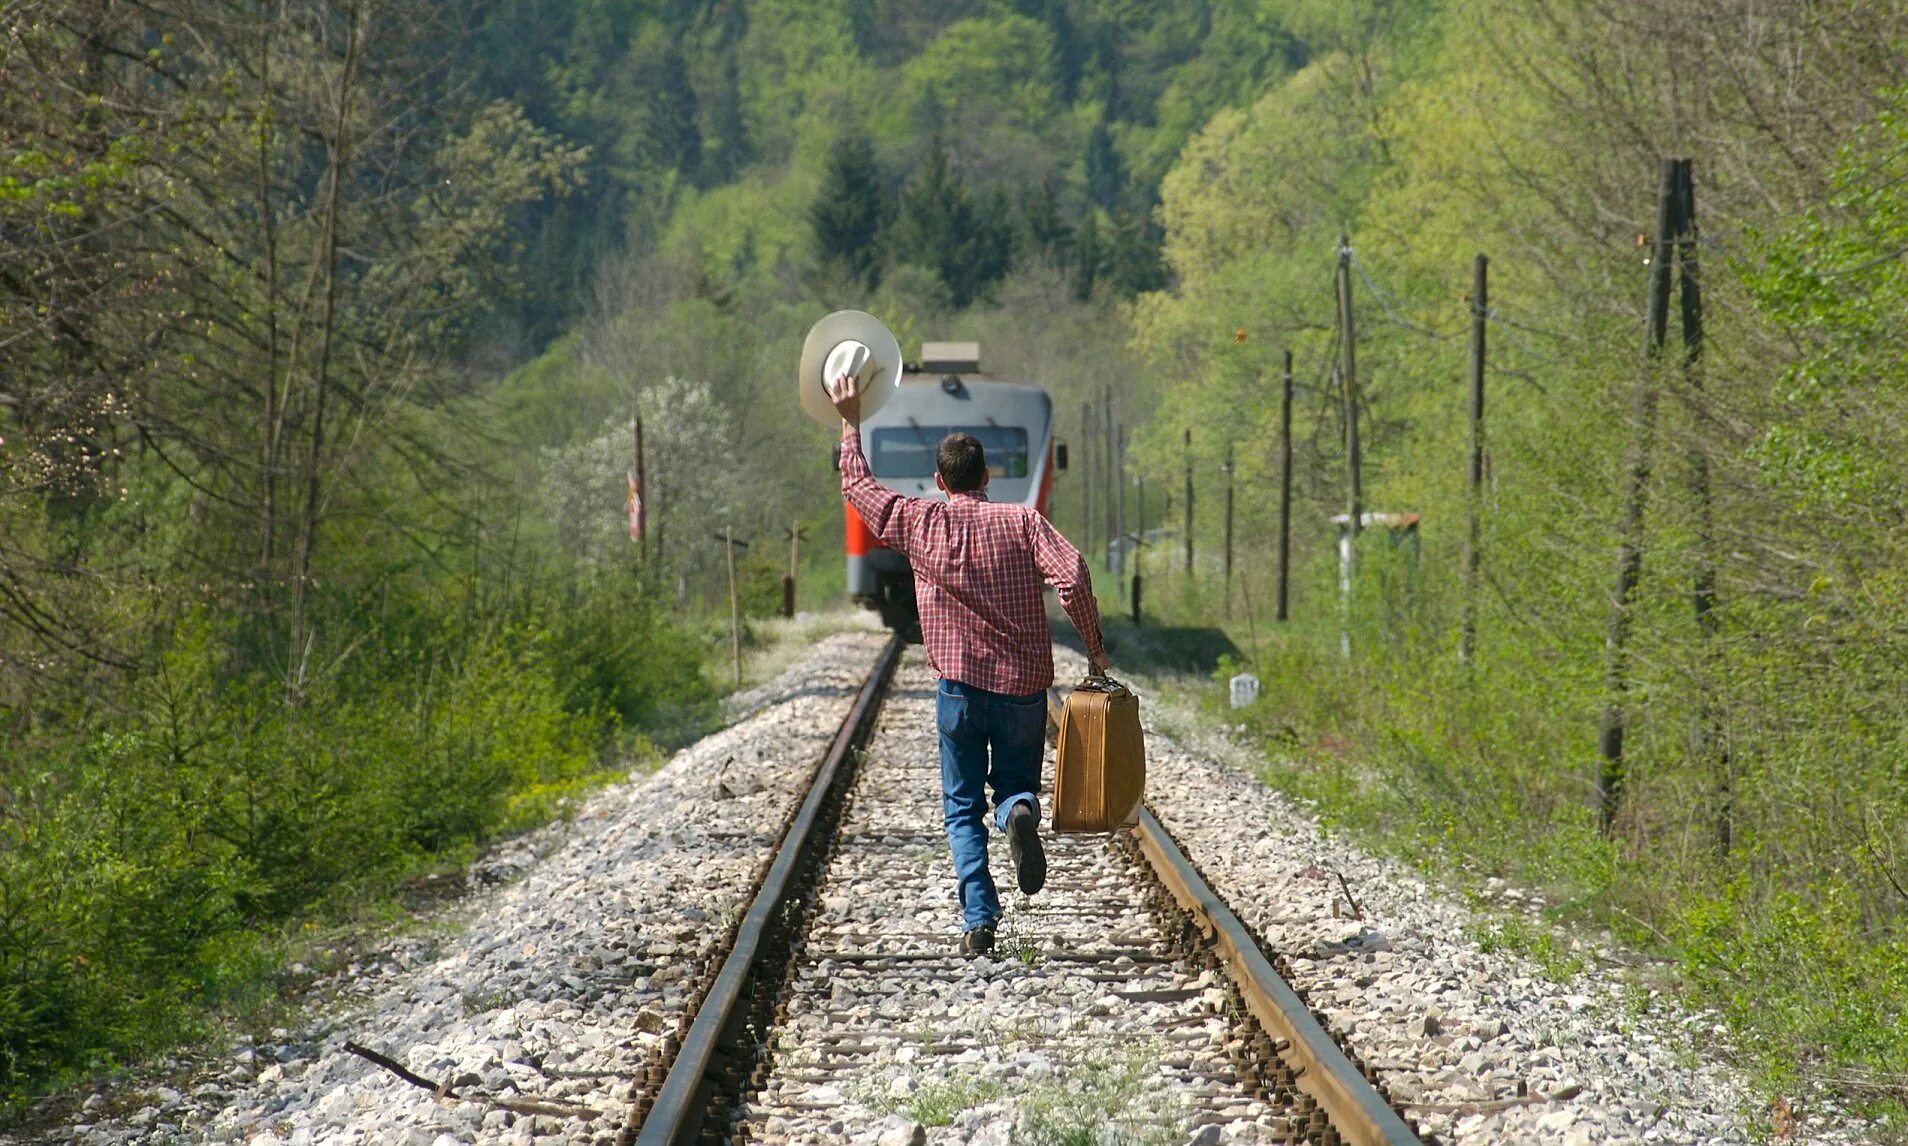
<point x="978" y="566"/>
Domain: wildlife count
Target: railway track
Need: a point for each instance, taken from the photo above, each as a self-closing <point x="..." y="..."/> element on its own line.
<point x="1125" y="994"/>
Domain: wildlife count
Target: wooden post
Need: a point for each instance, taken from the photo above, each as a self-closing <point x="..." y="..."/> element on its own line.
<point x="794" y="563"/>
<point x="1119" y="494"/>
<point x="639" y="525"/>
<point x="1189" y="506"/>
<point x="1474" y="475"/>
<point x="1087" y="434"/>
<point x="1354" y="494"/>
<point x="1711" y="747"/>
<point x="1115" y="473"/>
<point x="1228" y="608"/>
<point x="735" y="605"/>
<point x="1629" y="564"/>
<point x="1139" y="543"/>
<point x="1285" y="489"/>
<point x="1348" y="387"/>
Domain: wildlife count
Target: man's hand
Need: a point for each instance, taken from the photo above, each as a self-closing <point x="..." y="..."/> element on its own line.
<point x="845" y="393"/>
<point x="1098" y="666"/>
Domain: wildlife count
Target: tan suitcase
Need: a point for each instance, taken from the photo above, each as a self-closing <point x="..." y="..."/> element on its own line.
<point x="1099" y="765"/>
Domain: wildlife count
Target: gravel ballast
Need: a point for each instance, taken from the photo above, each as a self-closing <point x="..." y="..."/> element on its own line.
<point x="1482" y="1047"/>
<point x="544" y="997"/>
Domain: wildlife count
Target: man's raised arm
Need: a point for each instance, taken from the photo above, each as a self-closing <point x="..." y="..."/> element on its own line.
<point x="883" y="510"/>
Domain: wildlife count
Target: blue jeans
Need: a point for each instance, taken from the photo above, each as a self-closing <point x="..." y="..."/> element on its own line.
<point x="973" y="721"/>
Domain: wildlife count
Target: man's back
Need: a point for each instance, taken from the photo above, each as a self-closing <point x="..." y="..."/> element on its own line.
<point x="978" y="569"/>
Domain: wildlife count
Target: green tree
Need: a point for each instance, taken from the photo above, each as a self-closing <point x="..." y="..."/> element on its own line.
<point x="967" y="244"/>
<point x="851" y="210"/>
<point x="1105" y="175"/>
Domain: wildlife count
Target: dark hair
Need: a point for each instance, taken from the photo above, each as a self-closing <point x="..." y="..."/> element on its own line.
<point x="962" y="464"/>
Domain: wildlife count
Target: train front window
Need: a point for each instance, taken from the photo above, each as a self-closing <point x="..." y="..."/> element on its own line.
<point x="908" y="451"/>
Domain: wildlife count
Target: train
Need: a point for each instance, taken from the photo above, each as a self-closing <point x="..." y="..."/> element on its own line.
<point x="943" y="393"/>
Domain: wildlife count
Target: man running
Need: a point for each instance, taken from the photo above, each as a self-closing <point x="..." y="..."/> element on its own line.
<point x="978" y="566"/>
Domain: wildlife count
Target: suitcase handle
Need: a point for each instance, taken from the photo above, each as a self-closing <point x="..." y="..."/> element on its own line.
<point x="1100" y="682"/>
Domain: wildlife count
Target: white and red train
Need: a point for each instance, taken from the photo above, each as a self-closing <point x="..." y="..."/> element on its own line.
<point x="944" y="393"/>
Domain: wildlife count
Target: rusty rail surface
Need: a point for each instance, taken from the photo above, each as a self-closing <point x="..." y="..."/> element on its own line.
<point x="681" y="1106"/>
<point x="1358" y="1112"/>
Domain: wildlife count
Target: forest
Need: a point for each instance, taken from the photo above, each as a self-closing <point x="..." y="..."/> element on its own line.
<point x="323" y="327"/>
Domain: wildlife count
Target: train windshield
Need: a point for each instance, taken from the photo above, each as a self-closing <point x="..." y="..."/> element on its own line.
<point x="908" y="451"/>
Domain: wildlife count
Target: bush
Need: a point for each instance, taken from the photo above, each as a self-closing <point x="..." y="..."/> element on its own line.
<point x="143" y="873"/>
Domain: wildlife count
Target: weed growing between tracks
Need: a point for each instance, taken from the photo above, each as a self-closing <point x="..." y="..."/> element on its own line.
<point x="1101" y="1102"/>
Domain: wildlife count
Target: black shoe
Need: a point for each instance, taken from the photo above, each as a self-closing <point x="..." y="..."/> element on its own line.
<point x="1023" y="838"/>
<point x="979" y="941"/>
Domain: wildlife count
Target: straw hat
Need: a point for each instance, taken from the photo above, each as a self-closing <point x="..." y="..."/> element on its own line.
<point x="848" y="342"/>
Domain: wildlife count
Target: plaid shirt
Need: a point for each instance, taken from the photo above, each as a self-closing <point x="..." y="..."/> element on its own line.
<point x="978" y="566"/>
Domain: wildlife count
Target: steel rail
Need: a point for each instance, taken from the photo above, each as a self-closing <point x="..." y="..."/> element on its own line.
<point x="1357" y="1110"/>
<point x="682" y="1104"/>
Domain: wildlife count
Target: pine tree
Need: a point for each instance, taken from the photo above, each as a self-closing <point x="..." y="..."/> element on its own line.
<point x="850" y="212"/>
<point x="1089" y="256"/>
<point x="1046" y="228"/>
<point x="1105" y="175"/>
<point x="1135" y="262"/>
<point x="969" y="246"/>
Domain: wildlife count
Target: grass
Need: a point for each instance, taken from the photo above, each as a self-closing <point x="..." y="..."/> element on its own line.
<point x="1532" y="940"/>
<point x="1101" y="1102"/>
<point x="938" y="1100"/>
<point x="1467" y="780"/>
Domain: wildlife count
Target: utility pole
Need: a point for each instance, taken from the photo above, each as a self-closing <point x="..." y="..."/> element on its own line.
<point x="1629" y="565"/>
<point x="1189" y="506"/>
<point x="1115" y="475"/>
<point x="1348" y="385"/>
<point x="1710" y="744"/>
<point x="1087" y="434"/>
<point x="1119" y="498"/>
<point x="1473" y="535"/>
<point x="1285" y="488"/>
<point x="1139" y="544"/>
<point x="1228" y="608"/>
<point x="637" y="510"/>
<point x="1354" y="500"/>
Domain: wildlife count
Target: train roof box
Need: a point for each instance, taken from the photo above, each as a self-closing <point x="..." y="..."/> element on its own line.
<point x="950" y="358"/>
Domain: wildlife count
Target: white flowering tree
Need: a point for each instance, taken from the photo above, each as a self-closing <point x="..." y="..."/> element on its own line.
<point x="695" y="483"/>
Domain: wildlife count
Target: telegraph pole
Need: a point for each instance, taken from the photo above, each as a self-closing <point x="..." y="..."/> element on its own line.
<point x="1348" y="384"/>
<point x="1189" y="505"/>
<point x="1629" y="567"/>
<point x="1228" y="610"/>
<point x="1474" y="476"/>
<point x="1285" y="488"/>
<point x="1087" y="434"/>
<point x="1119" y="499"/>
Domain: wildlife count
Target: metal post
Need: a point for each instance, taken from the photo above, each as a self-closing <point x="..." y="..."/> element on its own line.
<point x="1285" y="488"/>
<point x="1480" y="313"/>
